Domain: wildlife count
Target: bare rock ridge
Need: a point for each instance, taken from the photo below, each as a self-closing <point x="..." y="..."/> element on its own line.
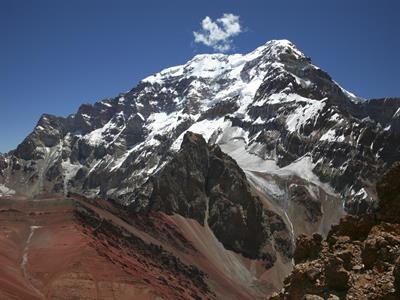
<point x="203" y="183"/>
<point x="358" y="260"/>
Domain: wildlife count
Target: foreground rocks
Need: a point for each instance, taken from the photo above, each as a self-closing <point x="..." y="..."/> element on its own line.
<point x="358" y="260"/>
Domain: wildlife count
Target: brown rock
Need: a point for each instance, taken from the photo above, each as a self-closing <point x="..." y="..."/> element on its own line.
<point x="388" y="189"/>
<point x="307" y="248"/>
<point x="336" y="276"/>
<point x="396" y="274"/>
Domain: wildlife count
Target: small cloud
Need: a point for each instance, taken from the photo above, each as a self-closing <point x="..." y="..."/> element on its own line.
<point x="218" y="35"/>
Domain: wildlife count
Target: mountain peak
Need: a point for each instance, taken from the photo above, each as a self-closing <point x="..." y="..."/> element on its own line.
<point x="212" y="65"/>
<point x="274" y="49"/>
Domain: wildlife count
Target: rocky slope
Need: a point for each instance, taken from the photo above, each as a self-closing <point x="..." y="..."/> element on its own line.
<point x="358" y="260"/>
<point x="60" y="248"/>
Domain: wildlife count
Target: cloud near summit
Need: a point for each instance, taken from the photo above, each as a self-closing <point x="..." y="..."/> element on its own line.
<point x="218" y="34"/>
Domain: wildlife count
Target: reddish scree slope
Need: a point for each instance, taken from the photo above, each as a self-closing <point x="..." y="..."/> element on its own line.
<point x="60" y="248"/>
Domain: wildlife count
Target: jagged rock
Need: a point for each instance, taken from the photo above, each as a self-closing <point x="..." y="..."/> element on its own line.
<point x="203" y="183"/>
<point x="181" y="185"/>
<point x="307" y="248"/>
<point x="356" y="228"/>
<point x="337" y="278"/>
<point x="358" y="260"/>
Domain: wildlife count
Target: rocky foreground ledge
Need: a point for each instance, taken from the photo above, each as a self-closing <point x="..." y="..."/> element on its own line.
<point x="359" y="258"/>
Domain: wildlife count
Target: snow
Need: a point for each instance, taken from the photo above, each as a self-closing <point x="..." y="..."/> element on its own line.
<point x="96" y="137"/>
<point x="70" y="171"/>
<point x="304" y="113"/>
<point x="350" y="95"/>
<point x="6" y="191"/>
<point x="335" y="117"/>
<point x="169" y="72"/>
<point x="159" y="121"/>
<point x="140" y="115"/>
<point x="205" y="127"/>
<point x="247" y="161"/>
<point x="106" y="104"/>
<point x="303" y="168"/>
<point x="119" y="161"/>
<point x="210" y="72"/>
<point x="362" y="193"/>
<point x="258" y="121"/>
<point x="268" y="187"/>
<point x="396" y="114"/>
<point x="85" y="116"/>
<point x="330" y="136"/>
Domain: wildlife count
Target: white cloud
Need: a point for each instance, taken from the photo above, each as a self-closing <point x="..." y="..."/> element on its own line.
<point x="218" y="35"/>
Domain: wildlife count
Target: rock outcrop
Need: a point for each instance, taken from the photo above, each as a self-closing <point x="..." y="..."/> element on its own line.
<point x="358" y="260"/>
<point x="203" y="183"/>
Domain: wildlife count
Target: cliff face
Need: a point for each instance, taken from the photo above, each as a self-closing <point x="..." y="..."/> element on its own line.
<point x="203" y="183"/>
<point x="358" y="260"/>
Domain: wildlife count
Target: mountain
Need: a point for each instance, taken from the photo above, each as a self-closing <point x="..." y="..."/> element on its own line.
<point x="210" y="238"/>
<point x="245" y="152"/>
<point x="358" y="260"/>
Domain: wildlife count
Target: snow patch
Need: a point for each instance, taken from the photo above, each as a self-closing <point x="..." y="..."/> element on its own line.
<point x="330" y="136"/>
<point x="304" y="113"/>
<point x="70" y="171"/>
<point x="6" y="191"/>
<point x="205" y="127"/>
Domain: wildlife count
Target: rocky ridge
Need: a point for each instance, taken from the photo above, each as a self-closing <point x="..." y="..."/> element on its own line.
<point x="203" y="183"/>
<point x="358" y="260"/>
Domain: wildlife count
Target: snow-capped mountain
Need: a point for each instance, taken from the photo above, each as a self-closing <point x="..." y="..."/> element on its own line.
<point x="272" y="110"/>
<point x="304" y="151"/>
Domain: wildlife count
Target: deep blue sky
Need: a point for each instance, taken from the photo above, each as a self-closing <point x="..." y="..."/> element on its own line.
<point x="55" y="55"/>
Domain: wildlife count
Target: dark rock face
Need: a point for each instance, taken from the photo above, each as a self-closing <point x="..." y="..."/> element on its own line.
<point x="358" y="260"/>
<point x="389" y="195"/>
<point x="203" y="183"/>
<point x="180" y="187"/>
<point x="396" y="275"/>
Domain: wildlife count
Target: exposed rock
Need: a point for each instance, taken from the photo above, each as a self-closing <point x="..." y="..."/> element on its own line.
<point x="203" y="183"/>
<point x="389" y="195"/>
<point x="358" y="260"/>
<point x="307" y="248"/>
<point x="396" y="274"/>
